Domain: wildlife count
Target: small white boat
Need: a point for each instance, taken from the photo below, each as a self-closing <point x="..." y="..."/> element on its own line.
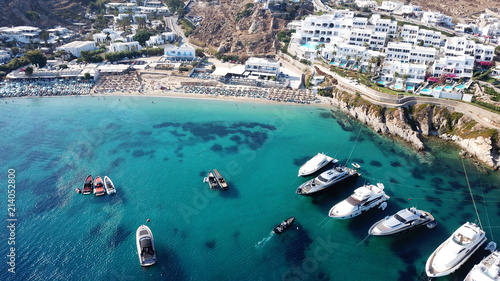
<point x="455" y="251"/>
<point x="402" y="221"/>
<point x="109" y="186"/>
<point x="356" y="165"/>
<point x="363" y="199"/>
<point x="487" y="270"/>
<point x="145" y="246"/>
<point x="315" y="164"/>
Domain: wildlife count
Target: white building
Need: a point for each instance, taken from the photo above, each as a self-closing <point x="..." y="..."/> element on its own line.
<point x="4" y="56"/>
<point x="76" y="47"/>
<point x="366" y="37"/>
<point x="262" y="66"/>
<point x="414" y="35"/>
<point x="437" y="18"/>
<point x="460" y="46"/>
<point x="390" y="6"/>
<point x="366" y="4"/>
<point x="161" y="39"/>
<point x="184" y="52"/>
<point x="409" y="10"/>
<point x="484" y="52"/>
<point x="348" y="53"/>
<point x="384" y="25"/>
<point x="121" y="7"/>
<point x="407" y="53"/>
<point x="103" y="36"/>
<point x="124" y="46"/>
<point x="22" y="34"/>
<point x="461" y="66"/>
<point x="415" y="73"/>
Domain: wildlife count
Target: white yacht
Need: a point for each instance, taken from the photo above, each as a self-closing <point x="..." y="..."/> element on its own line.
<point x="326" y="179"/>
<point x="145" y="246"/>
<point x="315" y="164"/>
<point x="402" y="221"/>
<point x="455" y="251"/>
<point x="487" y="270"/>
<point x="363" y="199"/>
<point x="109" y="186"/>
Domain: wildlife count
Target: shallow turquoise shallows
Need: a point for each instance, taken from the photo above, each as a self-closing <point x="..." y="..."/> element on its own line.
<point x="157" y="152"/>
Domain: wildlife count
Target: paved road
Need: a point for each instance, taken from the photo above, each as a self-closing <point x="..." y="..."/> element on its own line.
<point x="172" y="25"/>
<point x="482" y="116"/>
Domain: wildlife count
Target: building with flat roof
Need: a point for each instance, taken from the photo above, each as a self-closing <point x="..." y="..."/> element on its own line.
<point x="76" y="47"/>
<point x="262" y="66"/>
<point x="184" y="52"/>
<point x="124" y="46"/>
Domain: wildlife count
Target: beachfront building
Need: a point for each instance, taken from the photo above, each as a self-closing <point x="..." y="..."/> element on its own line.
<point x="416" y="36"/>
<point x="124" y="46"/>
<point x="21" y="34"/>
<point x="76" y="47"/>
<point x="455" y="67"/>
<point x="325" y="27"/>
<point x="395" y="71"/>
<point x="184" y="52"/>
<point x="262" y="67"/>
<point x="346" y="54"/>
<point x="436" y="18"/>
<point x="390" y="6"/>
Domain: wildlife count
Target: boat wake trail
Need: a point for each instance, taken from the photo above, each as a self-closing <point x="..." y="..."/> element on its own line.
<point x="263" y="242"/>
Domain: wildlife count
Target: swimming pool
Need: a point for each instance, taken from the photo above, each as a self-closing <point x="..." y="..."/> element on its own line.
<point x="310" y="45"/>
<point x="410" y="88"/>
<point x="342" y="64"/>
<point x="426" y="91"/>
<point x="448" y="88"/>
<point x="438" y="88"/>
<point x="381" y="82"/>
<point x="460" y="87"/>
<point x="398" y="87"/>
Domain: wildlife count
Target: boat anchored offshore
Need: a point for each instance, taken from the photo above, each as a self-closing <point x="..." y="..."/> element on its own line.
<point x="326" y="179"/>
<point x="284" y="225"/>
<point x="109" y="186"/>
<point x="145" y="246"/>
<point x="455" y="251"/>
<point x="99" y="187"/>
<point x="315" y="164"/>
<point x="487" y="270"/>
<point x="88" y="185"/>
<point x="212" y="182"/>
<point x="363" y="199"/>
<point x="402" y="221"/>
<point x="220" y="180"/>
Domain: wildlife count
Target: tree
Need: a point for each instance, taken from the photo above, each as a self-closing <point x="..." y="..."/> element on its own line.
<point x="44" y="36"/>
<point x="86" y="76"/>
<point x="141" y="22"/>
<point x="108" y="38"/>
<point x="396" y="74"/>
<point x="36" y="57"/>
<point x="14" y="50"/>
<point x="63" y="66"/>
<point x="142" y="36"/>
<point x="199" y="52"/>
<point x="28" y="71"/>
<point x="405" y="77"/>
<point x="181" y="12"/>
<point x="32" y="15"/>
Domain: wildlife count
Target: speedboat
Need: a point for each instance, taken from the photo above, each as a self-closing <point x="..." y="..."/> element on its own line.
<point x="487" y="270"/>
<point x="455" y="251"/>
<point x="315" y="164"/>
<point x="88" y="185"/>
<point x="220" y="180"/>
<point x="99" y="187"/>
<point x="212" y="182"/>
<point x="402" y="221"/>
<point x="363" y="199"/>
<point x="280" y="228"/>
<point x="109" y="186"/>
<point x="326" y="179"/>
<point x="145" y="246"/>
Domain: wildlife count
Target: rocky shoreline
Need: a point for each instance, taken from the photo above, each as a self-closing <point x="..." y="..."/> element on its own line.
<point x="412" y="123"/>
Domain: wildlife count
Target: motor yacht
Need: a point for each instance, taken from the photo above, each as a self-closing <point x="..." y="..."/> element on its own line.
<point x="315" y="164"/>
<point x="455" y="251"/>
<point x="326" y="179"/>
<point x="109" y="186"/>
<point x="363" y="199"/>
<point x="487" y="270"/>
<point x="145" y="246"/>
<point x="402" y="221"/>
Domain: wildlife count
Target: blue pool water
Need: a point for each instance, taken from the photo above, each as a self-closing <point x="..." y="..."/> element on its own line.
<point x="426" y="91"/>
<point x="398" y="87"/>
<point x="438" y="88"/>
<point x="381" y="82"/>
<point x="310" y="45"/>
<point x="460" y="87"/>
<point x="410" y="88"/>
<point x="448" y="87"/>
<point x="342" y="64"/>
<point x="157" y="151"/>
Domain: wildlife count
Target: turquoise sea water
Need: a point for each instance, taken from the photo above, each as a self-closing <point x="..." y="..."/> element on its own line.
<point x="157" y="152"/>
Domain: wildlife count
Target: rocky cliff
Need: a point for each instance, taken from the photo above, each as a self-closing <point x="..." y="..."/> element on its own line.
<point x="413" y="123"/>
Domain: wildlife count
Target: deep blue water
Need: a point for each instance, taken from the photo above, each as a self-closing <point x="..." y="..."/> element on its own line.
<point x="157" y="152"/>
